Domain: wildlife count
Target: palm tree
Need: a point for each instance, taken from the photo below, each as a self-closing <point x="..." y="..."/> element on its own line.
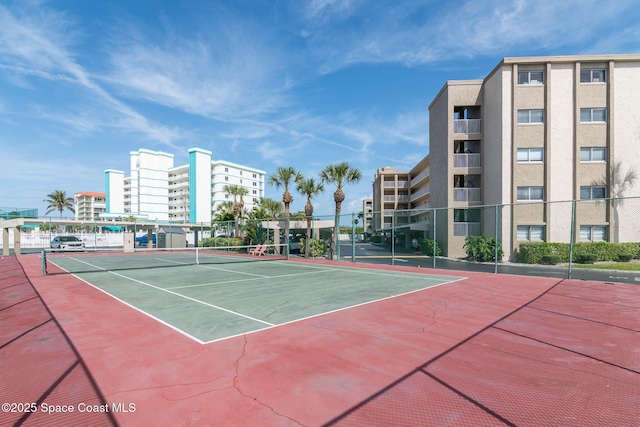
<point x="274" y="208"/>
<point x="224" y="214"/>
<point x="59" y="200"/>
<point x="621" y="183"/>
<point x="340" y="175"/>
<point x="310" y="188"/>
<point x="284" y="177"/>
<point x="238" y="207"/>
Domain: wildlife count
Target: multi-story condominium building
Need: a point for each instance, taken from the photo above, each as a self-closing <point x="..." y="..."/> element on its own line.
<point x="390" y="193"/>
<point x="536" y="129"/>
<point x="367" y="215"/>
<point x="89" y="205"/>
<point x="158" y="190"/>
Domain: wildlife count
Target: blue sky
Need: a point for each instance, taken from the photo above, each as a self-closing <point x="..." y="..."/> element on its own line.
<point x="261" y="83"/>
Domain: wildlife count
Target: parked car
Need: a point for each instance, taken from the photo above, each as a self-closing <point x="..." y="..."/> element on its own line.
<point x="67" y="243"/>
<point x="144" y="240"/>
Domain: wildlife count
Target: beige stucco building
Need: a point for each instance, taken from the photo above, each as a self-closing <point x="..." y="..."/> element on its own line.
<point x="535" y="130"/>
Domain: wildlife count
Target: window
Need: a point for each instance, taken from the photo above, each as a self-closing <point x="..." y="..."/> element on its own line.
<point x="593" y="233"/>
<point x="531" y="233"/>
<point x="240" y="173"/>
<point x="255" y="192"/>
<point x="530" y="154"/>
<point x="226" y="196"/>
<point x="530" y="77"/>
<point x="226" y="178"/>
<point x="593" y="154"/>
<point x="226" y="169"/>
<point x="595" y="75"/>
<point x="240" y="180"/>
<point x="530" y="116"/>
<point x="466" y="215"/>
<point x="467" y="222"/>
<point x="530" y="193"/>
<point x="255" y="176"/>
<point x="588" y="115"/>
<point x="592" y="193"/>
<point x="255" y="184"/>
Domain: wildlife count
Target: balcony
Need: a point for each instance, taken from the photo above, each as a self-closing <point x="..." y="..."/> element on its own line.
<point x="396" y="184"/>
<point x="467" y="194"/>
<point x="420" y="176"/>
<point x="423" y="191"/>
<point x="466" y="126"/>
<point x="470" y="160"/>
<point x="467" y="229"/>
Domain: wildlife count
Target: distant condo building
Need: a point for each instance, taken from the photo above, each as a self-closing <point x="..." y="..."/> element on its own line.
<point x="89" y="205"/>
<point x="158" y="190"/>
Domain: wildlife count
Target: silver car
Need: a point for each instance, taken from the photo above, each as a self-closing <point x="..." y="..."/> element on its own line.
<point x="67" y="242"/>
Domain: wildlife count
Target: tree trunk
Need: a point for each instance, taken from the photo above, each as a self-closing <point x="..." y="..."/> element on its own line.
<point x="308" y="210"/>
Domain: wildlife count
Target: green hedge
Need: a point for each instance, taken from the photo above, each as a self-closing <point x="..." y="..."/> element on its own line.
<point x="220" y="242"/>
<point x="532" y="253"/>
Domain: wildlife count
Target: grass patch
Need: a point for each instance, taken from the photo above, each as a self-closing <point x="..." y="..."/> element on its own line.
<point x="610" y="266"/>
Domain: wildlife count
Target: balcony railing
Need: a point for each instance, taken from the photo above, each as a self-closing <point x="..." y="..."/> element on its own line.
<point x="467" y="194"/>
<point x="467" y="229"/>
<point x="420" y="193"/>
<point x="470" y="160"/>
<point x="420" y="176"/>
<point x="466" y="126"/>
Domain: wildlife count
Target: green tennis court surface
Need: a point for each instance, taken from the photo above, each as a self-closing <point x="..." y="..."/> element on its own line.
<point x="208" y="302"/>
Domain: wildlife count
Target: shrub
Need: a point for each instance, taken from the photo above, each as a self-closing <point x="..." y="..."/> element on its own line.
<point x="624" y="257"/>
<point x="220" y="242"/>
<point x="586" y="258"/>
<point x="376" y="238"/>
<point x="482" y="248"/>
<point x="426" y="247"/>
<point x="550" y="259"/>
<point x="317" y="247"/>
<point x="532" y="253"/>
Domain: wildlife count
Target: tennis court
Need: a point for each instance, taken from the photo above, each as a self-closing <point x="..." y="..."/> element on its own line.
<point x="244" y="342"/>
<point x="211" y="295"/>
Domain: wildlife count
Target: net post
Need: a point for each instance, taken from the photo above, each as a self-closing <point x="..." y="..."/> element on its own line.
<point x="43" y="258"/>
<point x="197" y="256"/>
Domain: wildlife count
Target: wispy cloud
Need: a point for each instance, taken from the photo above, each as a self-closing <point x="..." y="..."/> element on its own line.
<point x="415" y="32"/>
<point x="34" y="43"/>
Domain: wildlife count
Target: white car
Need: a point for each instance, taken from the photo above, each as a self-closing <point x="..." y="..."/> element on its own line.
<point x="67" y="242"/>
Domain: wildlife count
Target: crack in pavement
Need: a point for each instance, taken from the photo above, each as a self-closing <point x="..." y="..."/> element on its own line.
<point x="255" y="399"/>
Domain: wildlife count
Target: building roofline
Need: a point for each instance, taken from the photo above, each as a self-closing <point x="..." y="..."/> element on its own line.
<point x="113" y="171"/>
<point x="455" y="83"/>
<point x="563" y="59"/>
<point x="243" y="167"/>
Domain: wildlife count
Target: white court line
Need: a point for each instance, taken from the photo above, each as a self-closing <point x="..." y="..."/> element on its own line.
<point x="337" y="310"/>
<point x="367" y="270"/>
<point x="247" y="280"/>
<point x="180" y="331"/>
<point x="213" y="268"/>
<point x="177" y="294"/>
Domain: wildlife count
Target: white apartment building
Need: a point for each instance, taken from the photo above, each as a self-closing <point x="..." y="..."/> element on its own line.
<point x="89" y="205"/>
<point x="536" y="129"/>
<point x="158" y="190"/>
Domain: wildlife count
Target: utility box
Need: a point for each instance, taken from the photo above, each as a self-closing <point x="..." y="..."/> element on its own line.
<point x="128" y="242"/>
<point x="171" y="237"/>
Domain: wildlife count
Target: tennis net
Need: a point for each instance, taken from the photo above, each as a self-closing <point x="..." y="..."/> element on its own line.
<point x="72" y="262"/>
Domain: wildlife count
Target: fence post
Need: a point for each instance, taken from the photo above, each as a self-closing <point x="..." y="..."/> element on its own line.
<point x="435" y="244"/>
<point x="393" y="238"/>
<point x="573" y="222"/>
<point x="495" y="254"/>
<point x="353" y="237"/>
